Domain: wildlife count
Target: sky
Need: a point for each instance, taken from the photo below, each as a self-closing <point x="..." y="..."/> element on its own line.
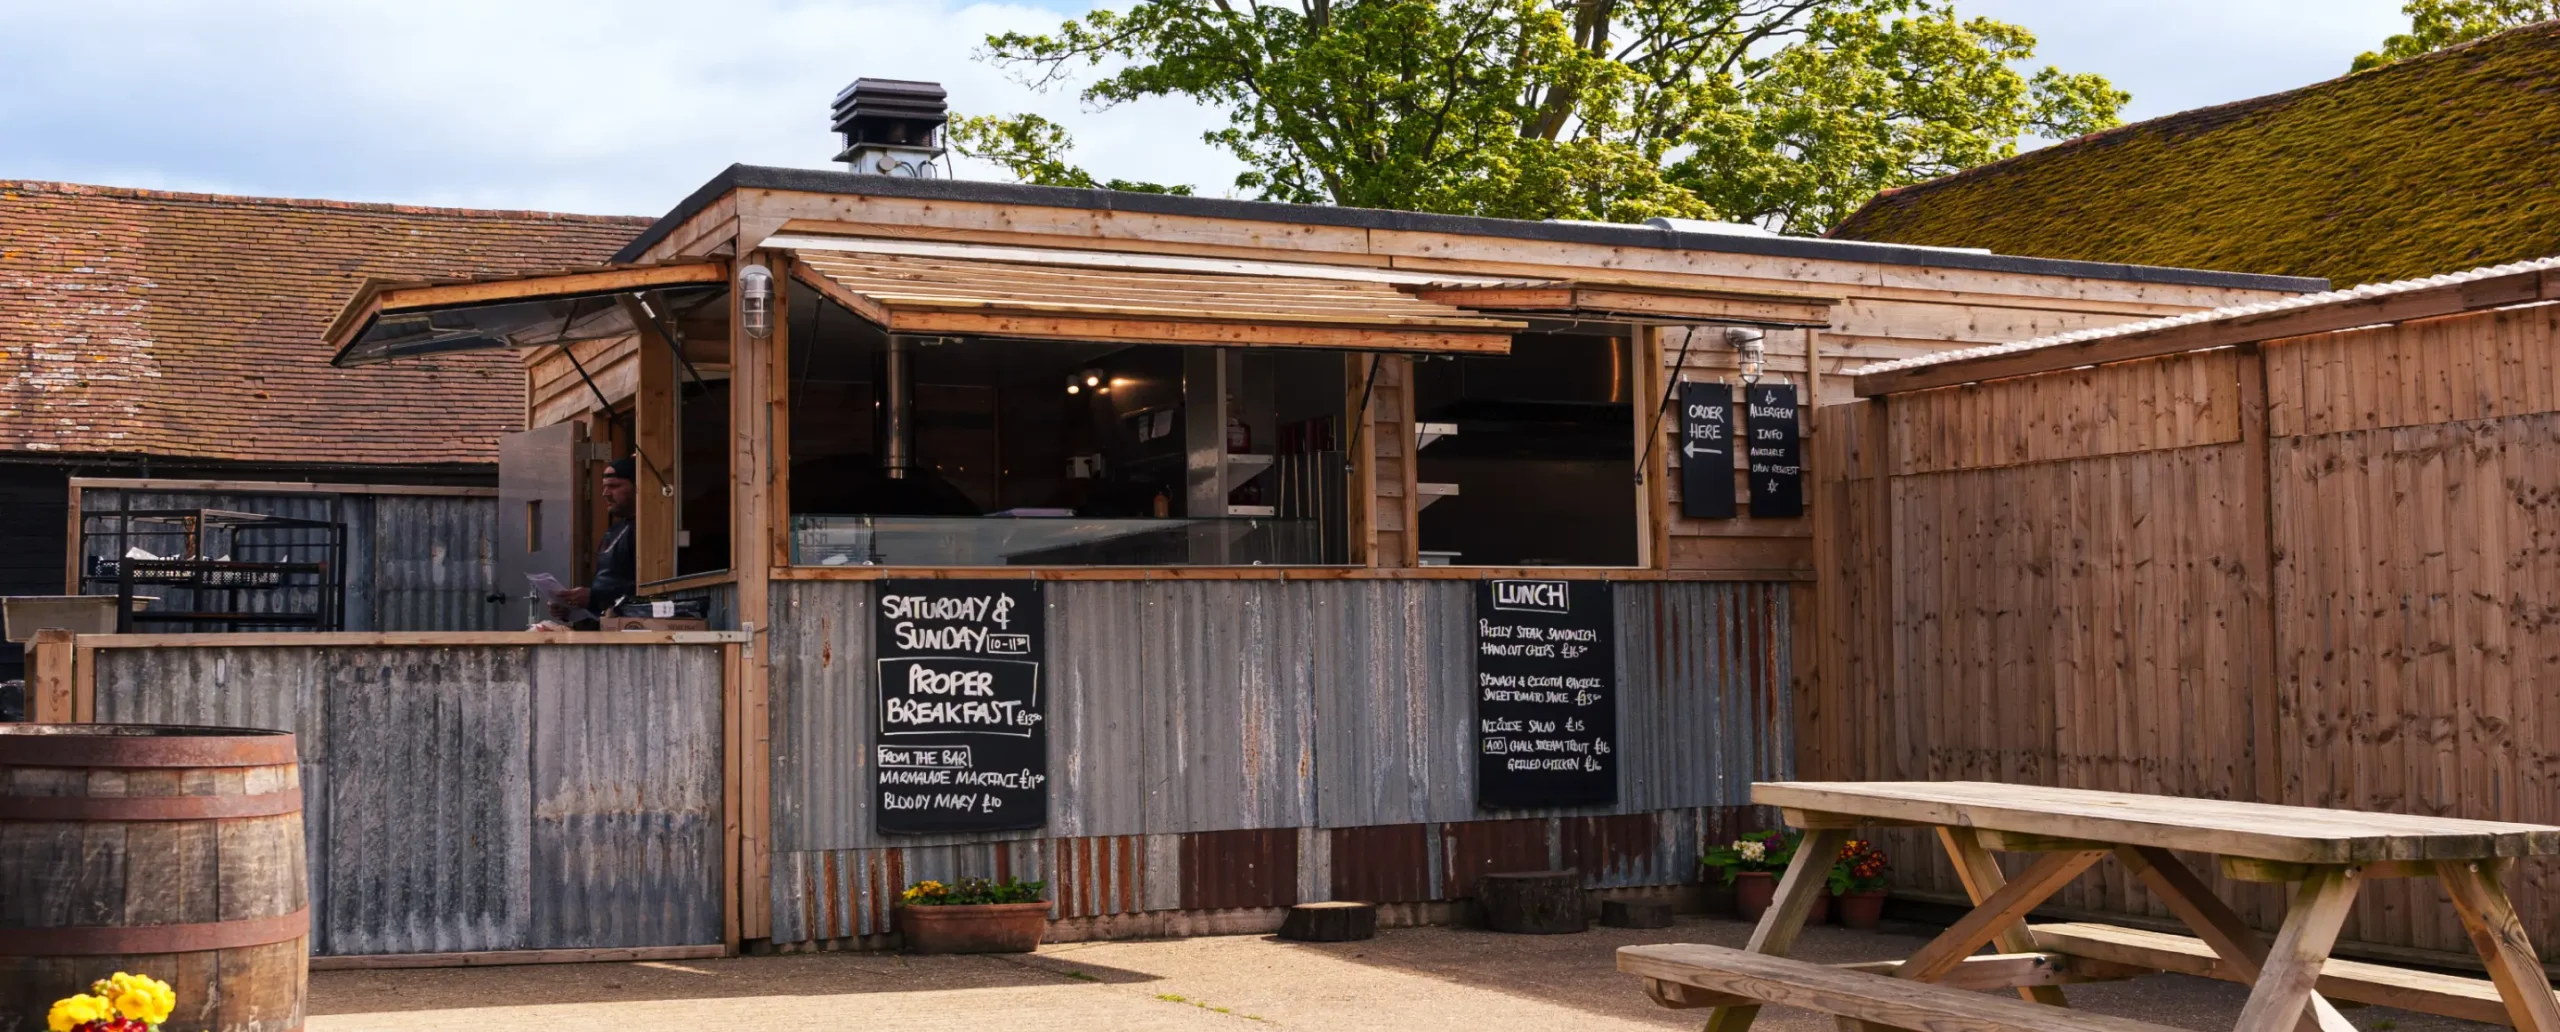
<point x="625" y="106"/>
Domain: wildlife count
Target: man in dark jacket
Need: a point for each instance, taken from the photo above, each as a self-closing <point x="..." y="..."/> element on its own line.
<point x="614" y="580"/>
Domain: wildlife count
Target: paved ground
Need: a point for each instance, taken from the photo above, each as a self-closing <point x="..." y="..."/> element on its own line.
<point x="1408" y="980"/>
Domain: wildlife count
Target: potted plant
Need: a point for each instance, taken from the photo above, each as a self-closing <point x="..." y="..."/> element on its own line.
<point x="973" y="915"/>
<point x="1857" y="877"/>
<point x="123" y="1003"/>
<point x="1751" y="865"/>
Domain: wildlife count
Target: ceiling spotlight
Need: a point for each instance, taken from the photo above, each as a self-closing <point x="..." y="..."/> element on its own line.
<point x="1075" y="388"/>
<point x="1093" y="378"/>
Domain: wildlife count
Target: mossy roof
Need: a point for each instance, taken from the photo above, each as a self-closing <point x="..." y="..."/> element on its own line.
<point x="2434" y="164"/>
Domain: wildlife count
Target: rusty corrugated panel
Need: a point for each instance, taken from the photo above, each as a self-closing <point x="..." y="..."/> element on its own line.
<point x="1099" y="875"/>
<point x="1391" y="667"/>
<point x="1247" y="868"/>
<point x="1231" y="737"/>
<point x="843" y="893"/>
<point x="1470" y="849"/>
<point x="819" y="694"/>
<point x="1703" y="672"/>
<point x="1611" y="850"/>
<point x="1386" y="863"/>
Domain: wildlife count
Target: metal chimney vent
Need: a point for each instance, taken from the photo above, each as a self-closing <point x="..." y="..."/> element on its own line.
<point x="892" y="127"/>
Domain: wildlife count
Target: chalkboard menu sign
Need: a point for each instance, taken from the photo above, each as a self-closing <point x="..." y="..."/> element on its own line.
<point x="1776" y="451"/>
<point x="1546" y="694"/>
<point x="961" y="743"/>
<point x="1706" y="450"/>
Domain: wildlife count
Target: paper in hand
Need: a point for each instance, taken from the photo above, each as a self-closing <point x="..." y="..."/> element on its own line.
<point x="550" y="590"/>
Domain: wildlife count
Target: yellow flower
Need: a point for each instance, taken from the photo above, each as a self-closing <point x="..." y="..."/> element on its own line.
<point x="143" y="998"/>
<point x="70" y="1011"/>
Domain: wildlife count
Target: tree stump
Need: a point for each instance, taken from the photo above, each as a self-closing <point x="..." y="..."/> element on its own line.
<point x="1635" y="913"/>
<point x="1330" y="922"/>
<point x="1532" y="902"/>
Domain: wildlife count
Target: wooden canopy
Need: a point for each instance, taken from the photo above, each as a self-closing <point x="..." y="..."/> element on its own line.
<point x="914" y="294"/>
<point x="391" y="319"/>
<point x="1634" y="303"/>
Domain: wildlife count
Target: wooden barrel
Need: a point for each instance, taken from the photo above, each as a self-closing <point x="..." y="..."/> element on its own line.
<point x="174" y="852"/>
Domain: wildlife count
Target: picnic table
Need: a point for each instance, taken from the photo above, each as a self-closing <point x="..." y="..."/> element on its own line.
<point x="2324" y="854"/>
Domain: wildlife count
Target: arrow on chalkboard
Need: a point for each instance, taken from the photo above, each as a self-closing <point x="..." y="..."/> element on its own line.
<point x="1690" y="450"/>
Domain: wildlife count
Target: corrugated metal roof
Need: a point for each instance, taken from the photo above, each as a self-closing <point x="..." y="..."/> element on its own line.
<point x="2297" y="303"/>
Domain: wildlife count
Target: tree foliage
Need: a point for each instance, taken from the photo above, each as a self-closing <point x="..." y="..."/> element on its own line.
<point x="2437" y="24"/>
<point x="1790" y="113"/>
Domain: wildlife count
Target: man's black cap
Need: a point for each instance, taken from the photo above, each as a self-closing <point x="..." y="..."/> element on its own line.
<point x="619" y="468"/>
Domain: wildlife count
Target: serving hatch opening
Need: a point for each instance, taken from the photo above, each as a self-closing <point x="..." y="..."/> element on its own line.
<point x="389" y="320"/>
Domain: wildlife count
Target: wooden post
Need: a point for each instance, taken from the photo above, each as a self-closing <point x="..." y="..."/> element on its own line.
<point x="49" y="689"/>
<point x="2241" y="948"/>
<point x="2266" y="772"/>
<point x="1805" y="881"/>
<point x="2500" y="939"/>
<point x="653" y="431"/>
<point x="1982" y="877"/>
<point x="2283" y="989"/>
<point x="751" y="465"/>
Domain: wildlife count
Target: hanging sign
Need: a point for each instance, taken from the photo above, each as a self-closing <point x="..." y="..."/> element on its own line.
<point x="1546" y="694"/>
<point x="1776" y="450"/>
<point x="1706" y="450"/>
<point x="960" y="742"/>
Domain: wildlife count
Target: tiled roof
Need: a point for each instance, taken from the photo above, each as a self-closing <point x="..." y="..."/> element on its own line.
<point x="189" y="325"/>
<point x="2429" y="165"/>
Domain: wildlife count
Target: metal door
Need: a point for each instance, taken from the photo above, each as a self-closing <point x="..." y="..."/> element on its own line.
<point x="540" y="502"/>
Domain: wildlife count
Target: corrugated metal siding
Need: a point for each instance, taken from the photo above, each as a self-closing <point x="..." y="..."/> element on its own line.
<point x="1183" y="711"/>
<point x="626" y="796"/>
<point x="414" y="562"/>
<point x="477" y="798"/>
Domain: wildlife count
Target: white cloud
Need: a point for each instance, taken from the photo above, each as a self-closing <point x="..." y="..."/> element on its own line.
<point x="619" y="107"/>
<point x="624" y="106"/>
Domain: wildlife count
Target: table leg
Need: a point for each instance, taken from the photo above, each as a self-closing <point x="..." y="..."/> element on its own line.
<point x="2284" y="985"/>
<point x="1982" y="877"/>
<point x="2501" y="941"/>
<point x="1805" y="881"/>
<point x="2241" y="947"/>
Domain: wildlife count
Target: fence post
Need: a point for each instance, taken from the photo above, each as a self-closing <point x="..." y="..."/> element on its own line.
<point x="2266" y="778"/>
<point x="49" y="690"/>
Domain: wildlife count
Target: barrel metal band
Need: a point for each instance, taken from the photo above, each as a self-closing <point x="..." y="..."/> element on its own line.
<point x="148" y="808"/>
<point x="247" y="749"/>
<point x="110" y="940"/>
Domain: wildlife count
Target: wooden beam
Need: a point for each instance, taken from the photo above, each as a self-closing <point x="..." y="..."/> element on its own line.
<point x="2021" y="842"/>
<point x="2282" y="996"/>
<point x="49" y="681"/>
<point x="2257" y="579"/>
<point x="2000" y="911"/>
<point x="2499" y="937"/>
<point x="751" y="467"/>
<point x="394" y="639"/>
<point x="284" y="487"/>
<point x="403" y="298"/>
<point x="655" y="436"/>
<point x="2251" y="869"/>
<point x="1810" y="819"/>
<point x="1879" y="1002"/>
<point x="2380" y="985"/>
<point x="2493" y="292"/>
<point x="2239" y="946"/>
<point x="1804" y="882"/>
<point x="1676" y="996"/>
<point x="84" y="683"/>
<point x="1982" y="877"/>
<point x="2038" y="969"/>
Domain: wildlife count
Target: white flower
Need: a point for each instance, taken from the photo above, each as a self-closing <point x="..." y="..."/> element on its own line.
<point x="1750" y="850"/>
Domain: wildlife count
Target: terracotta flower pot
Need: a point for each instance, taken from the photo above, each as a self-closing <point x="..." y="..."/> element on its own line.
<point x="976" y="928"/>
<point x="1862" y="910"/>
<point x="1821" y="910"/>
<point x="1752" y="891"/>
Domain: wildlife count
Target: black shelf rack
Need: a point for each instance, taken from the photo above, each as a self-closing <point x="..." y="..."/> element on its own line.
<point x="216" y="570"/>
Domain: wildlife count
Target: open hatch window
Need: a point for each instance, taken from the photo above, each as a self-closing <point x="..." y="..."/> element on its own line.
<point x="911" y="450"/>
<point x="1528" y="459"/>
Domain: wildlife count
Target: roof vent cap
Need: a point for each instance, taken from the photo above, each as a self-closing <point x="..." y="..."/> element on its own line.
<point x="892" y="127"/>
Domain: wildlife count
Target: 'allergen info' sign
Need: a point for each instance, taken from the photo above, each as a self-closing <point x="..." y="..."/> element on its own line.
<point x="1546" y="694"/>
<point x="960" y="741"/>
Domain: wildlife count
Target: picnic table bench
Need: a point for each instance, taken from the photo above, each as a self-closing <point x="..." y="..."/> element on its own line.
<point x="2324" y="854"/>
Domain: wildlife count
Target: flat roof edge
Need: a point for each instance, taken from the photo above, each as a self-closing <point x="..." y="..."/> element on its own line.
<point x="759" y="177"/>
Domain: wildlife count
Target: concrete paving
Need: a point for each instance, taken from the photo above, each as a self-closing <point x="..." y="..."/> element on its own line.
<point x="1405" y="980"/>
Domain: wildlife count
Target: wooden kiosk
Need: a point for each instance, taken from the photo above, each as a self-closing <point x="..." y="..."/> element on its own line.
<point x="1246" y="478"/>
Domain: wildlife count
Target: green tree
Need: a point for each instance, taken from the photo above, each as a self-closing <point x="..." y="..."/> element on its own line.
<point x="1790" y="113"/>
<point x="2437" y="24"/>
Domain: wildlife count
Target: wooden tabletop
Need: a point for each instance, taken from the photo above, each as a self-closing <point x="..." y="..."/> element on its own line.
<point x="2298" y="834"/>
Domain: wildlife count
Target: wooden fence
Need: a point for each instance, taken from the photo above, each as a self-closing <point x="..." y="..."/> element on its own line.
<point x="2321" y="569"/>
